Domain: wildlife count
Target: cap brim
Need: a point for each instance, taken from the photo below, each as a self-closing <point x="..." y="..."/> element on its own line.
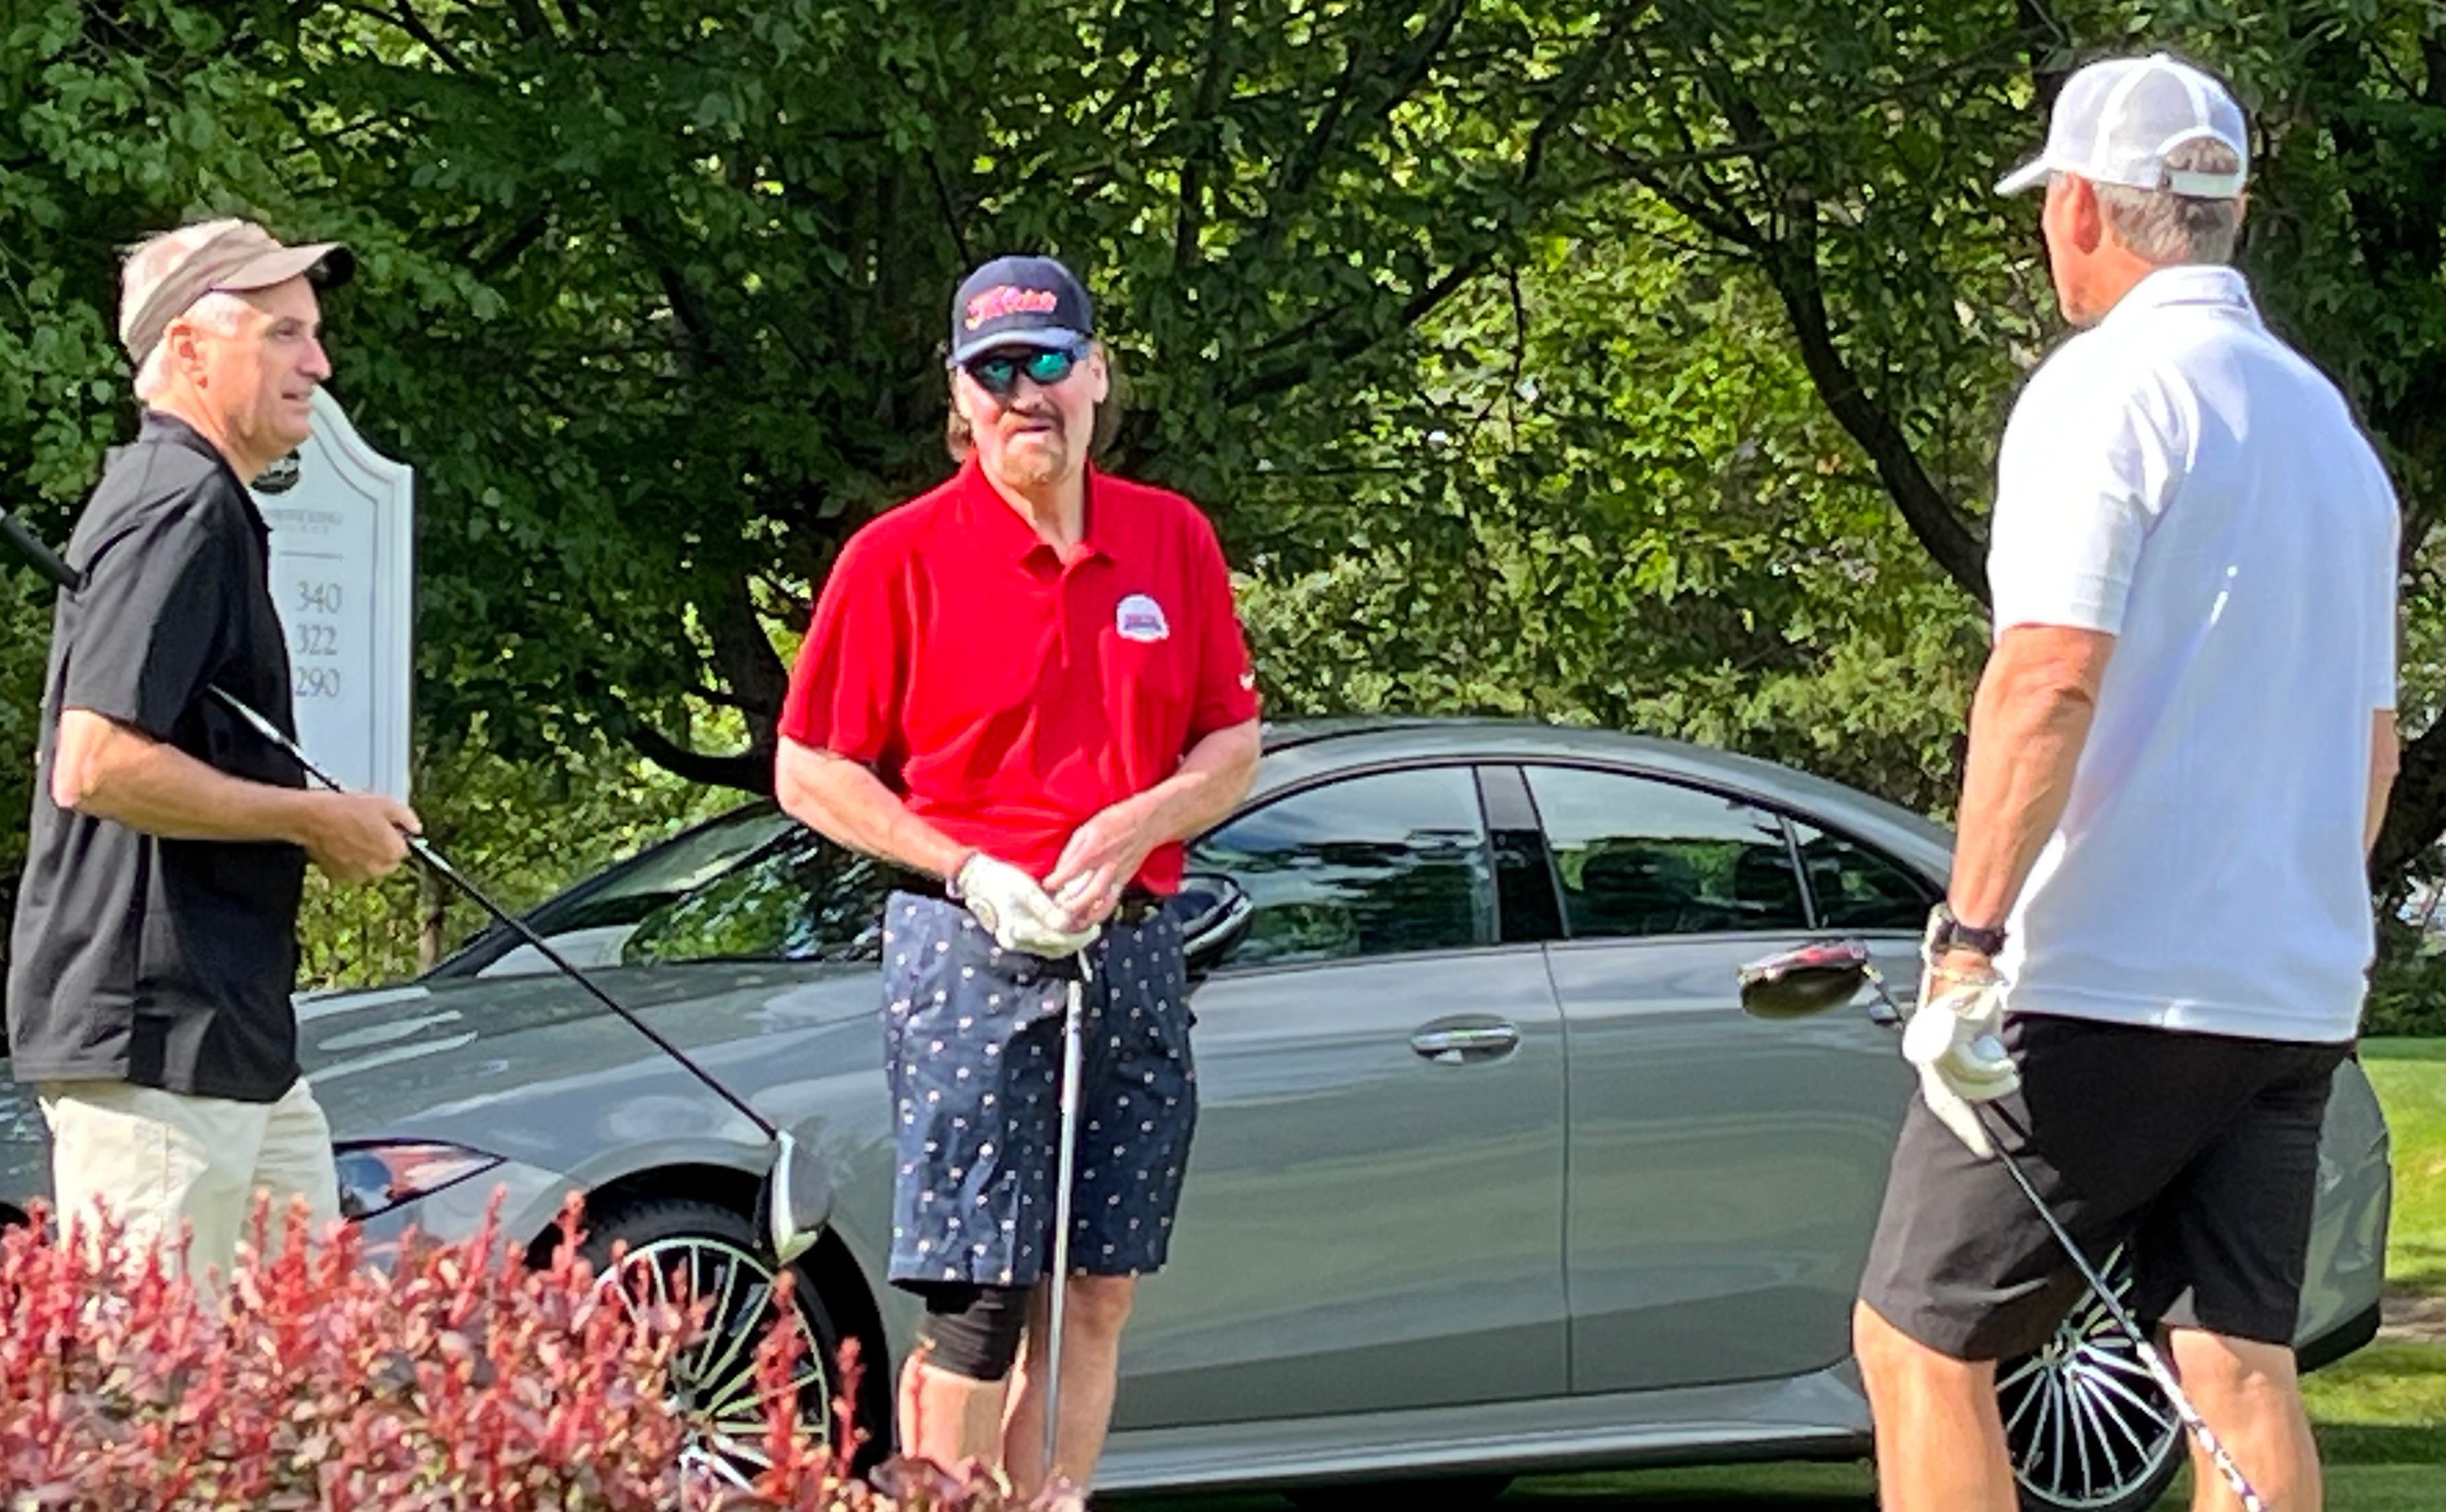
<point x="1040" y="338"/>
<point x="328" y="262"/>
<point x="2027" y="176"/>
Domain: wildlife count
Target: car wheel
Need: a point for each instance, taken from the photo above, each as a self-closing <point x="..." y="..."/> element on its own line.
<point x="1454" y="1493"/>
<point x="2088" y="1429"/>
<point x="685" y="1247"/>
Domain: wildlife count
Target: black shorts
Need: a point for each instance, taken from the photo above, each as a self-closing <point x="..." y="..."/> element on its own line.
<point x="2199" y="1151"/>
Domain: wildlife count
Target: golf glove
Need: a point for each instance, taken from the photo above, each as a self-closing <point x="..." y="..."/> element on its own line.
<point x="1015" y="910"/>
<point x="1952" y="1041"/>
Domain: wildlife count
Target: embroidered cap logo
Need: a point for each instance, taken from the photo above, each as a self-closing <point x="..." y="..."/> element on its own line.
<point x="1009" y="299"/>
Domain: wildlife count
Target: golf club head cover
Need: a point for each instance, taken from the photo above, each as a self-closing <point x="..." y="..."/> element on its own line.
<point x="971" y="1330"/>
<point x="1015" y="910"/>
<point x="1953" y="1041"/>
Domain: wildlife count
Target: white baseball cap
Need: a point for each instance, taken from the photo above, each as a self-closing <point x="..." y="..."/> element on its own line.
<point x="2116" y="119"/>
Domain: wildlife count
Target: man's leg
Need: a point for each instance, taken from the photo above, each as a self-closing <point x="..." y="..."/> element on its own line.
<point x="2251" y="1395"/>
<point x="948" y="1417"/>
<point x="295" y="1161"/>
<point x="1093" y="1318"/>
<point x="155" y="1160"/>
<point x="1940" y="1440"/>
<point x="952" y="1389"/>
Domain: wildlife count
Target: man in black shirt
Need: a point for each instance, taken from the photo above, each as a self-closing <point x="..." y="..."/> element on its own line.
<point x="155" y="948"/>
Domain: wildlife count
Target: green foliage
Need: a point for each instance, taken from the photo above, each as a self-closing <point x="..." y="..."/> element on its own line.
<point x="520" y="831"/>
<point x="1639" y="366"/>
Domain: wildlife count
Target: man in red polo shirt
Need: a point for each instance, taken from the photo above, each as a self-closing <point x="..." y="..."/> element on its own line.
<point x="1026" y="688"/>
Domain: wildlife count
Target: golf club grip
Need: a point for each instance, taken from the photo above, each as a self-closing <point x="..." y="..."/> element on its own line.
<point x="45" y="561"/>
<point x="423" y="849"/>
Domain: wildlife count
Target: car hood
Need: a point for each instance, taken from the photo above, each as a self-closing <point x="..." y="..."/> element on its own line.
<point x="404" y="1051"/>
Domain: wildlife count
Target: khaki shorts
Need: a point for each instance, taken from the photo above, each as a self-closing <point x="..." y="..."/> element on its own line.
<point x="156" y="1159"/>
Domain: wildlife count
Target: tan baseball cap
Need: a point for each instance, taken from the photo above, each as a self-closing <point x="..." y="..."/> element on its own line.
<point x="165" y="276"/>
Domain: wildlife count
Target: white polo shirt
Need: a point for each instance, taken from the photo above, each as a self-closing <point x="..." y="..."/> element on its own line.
<point x="2178" y="477"/>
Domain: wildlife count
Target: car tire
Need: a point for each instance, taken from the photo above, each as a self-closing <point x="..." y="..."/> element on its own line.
<point x="2089" y="1430"/>
<point x="1454" y="1493"/>
<point x="672" y="1245"/>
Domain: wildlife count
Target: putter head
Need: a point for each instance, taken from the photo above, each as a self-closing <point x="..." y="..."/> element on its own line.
<point x="796" y="1200"/>
<point x="1798" y="983"/>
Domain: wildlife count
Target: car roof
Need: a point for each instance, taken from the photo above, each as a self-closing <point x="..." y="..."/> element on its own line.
<point x="1299" y="752"/>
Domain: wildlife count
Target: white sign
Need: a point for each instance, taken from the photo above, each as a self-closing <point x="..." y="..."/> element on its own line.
<point x="343" y="524"/>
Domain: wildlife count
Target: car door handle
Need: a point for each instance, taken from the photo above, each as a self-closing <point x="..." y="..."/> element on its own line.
<point x="1450" y="1042"/>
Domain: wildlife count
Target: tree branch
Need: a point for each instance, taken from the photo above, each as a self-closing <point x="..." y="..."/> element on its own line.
<point x="749" y="771"/>
<point x="1204" y="147"/>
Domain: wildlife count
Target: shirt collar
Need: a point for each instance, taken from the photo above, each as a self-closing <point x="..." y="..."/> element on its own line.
<point x="162" y="428"/>
<point x="993" y="523"/>
<point x="2210" y="284"/>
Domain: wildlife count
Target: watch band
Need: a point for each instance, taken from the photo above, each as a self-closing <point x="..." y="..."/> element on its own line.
<point x="1946" y="931"/>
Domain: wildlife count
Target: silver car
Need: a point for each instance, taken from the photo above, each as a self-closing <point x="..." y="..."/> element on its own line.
<point x="1493" y="1173"/>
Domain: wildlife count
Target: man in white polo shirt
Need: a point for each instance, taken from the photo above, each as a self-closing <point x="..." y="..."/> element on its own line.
<point x="2179" y="754"/>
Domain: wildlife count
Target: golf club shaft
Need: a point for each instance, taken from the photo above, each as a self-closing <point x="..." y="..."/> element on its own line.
<point x="2143" y="1349"/>
<point x="423" y="849"/>
<point x="30" y="545"/>
<point x="49" y="563"/>
<point x="1066" y="1164"/>
<point x="2146" y="1352"/>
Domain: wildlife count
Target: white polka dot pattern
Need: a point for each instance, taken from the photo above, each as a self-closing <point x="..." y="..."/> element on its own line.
<point x="972" y="1038"/>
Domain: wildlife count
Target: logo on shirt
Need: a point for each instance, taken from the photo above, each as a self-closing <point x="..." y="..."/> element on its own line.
<point x="1008" y="299"/>
<point x="1140" y="618"/>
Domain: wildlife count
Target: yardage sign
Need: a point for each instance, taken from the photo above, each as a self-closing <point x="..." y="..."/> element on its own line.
<point x="343" y="532"/>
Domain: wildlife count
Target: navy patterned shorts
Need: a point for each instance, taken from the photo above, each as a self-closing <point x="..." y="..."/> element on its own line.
<point x="972" y="1043"/>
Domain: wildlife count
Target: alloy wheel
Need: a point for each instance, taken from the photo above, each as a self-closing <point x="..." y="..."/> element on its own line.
<point x="714" y="1380"/>
<point x="2088" y="1430"/>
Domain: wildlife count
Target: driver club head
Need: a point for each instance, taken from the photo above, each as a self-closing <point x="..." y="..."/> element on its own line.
<point x="796" y="1200"/>
<point x="1804" y="982"/>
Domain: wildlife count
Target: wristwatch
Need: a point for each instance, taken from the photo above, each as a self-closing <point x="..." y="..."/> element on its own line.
<point x="1946" y="932"/>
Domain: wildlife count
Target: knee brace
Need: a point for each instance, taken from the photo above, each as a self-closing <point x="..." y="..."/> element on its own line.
<point x="971" y="1330"/>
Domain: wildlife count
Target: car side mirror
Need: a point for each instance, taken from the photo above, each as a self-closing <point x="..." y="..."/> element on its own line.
<point x="1214" y="912"/>
<point x="1811" y="979"/>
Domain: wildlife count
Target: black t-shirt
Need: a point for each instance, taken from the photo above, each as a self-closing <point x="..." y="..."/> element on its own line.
<point x="162" y="963"/>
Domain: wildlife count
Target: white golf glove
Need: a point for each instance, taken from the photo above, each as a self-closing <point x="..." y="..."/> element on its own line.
<point x="1953" y="1040"/>
<point x="1015" y="910"/>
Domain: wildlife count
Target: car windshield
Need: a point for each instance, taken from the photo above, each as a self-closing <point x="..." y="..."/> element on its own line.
<point x="750" y="884"/>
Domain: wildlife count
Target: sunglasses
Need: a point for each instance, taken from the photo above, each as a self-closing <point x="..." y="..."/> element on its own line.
<point x="998" y="373"/>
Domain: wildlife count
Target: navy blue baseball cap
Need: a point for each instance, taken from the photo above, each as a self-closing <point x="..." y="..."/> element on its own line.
<point x="1020" y="302"/>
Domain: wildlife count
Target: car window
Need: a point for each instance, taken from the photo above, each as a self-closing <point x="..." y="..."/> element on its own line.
<point x="804" y="899"/>
<point x="1858" y="888"/>
<point x="1641" y="857"/>
<point x="1371" y="866"/>
<point x="590" y="921"/>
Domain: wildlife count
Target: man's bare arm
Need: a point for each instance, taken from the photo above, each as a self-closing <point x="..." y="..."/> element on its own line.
<point x="111" y="770"/>
<point x="2386" y="759"/>
<point x="845" y="802"/>
<point x="2027" y="727"/>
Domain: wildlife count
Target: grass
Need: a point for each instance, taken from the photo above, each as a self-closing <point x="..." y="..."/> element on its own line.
<point x="2380" y="1414"/>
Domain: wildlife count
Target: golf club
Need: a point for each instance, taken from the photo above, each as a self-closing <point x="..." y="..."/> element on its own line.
<point x="1825" y="975"/>
<point x="796" y="1198"/>
<point x="1073" y="1026"/>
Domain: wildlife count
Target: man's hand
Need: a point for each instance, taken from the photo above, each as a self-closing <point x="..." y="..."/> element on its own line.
<point x="1009" y="904"/>
<point x="358" y="836"/>
<point x="1952" y="1041"/>
<point x="1104" y="854"/>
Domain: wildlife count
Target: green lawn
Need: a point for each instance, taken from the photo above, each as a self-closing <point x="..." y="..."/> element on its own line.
<point x="2380" y="1414"/>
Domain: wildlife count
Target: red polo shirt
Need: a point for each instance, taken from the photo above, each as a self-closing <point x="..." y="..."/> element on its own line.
<point x="1007" y="695"/>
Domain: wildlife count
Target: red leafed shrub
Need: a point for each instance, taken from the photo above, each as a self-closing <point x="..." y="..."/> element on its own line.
<point x="449" y="1376"/>
<point x="446" y="1376"/>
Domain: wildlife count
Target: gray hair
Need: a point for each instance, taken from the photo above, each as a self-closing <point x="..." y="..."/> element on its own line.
<point x="221" y="313"/>
<point x="2164" y="228"/>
